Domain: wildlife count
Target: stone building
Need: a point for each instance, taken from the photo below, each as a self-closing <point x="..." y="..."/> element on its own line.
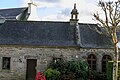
<point x="29" y="46"/>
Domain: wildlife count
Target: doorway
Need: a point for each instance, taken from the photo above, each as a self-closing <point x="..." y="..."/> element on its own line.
<point x="31" y="71"/>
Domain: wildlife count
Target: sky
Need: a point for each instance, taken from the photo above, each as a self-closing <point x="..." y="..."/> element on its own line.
<point x="58" y="10"/>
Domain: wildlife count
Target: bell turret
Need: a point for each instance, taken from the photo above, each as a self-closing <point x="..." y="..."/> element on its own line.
<point x="74" y="16"/>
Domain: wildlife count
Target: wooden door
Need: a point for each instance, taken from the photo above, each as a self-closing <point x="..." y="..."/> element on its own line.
<point x="31" y="71"/>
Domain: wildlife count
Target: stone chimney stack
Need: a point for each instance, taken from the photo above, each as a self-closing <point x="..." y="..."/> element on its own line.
<point x="32" y="12"/>
<point x="74" y="16"/>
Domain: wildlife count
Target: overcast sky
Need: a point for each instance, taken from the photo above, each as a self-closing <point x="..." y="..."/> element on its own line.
<point x="58" y="10"/>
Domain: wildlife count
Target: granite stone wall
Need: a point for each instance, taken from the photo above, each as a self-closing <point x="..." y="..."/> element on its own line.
<point x="44" y="56"/>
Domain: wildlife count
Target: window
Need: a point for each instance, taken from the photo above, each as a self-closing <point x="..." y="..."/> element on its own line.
<point x="92" y="61"/>
<point x="6" y="63"/>
<point x="105" y="59"/>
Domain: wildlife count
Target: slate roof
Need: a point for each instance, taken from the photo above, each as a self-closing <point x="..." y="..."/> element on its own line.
<point x="45" y="33"/>
<point x="37" y="33"/>
<point x="10" y="14"/>
<point x="91" y="37"/>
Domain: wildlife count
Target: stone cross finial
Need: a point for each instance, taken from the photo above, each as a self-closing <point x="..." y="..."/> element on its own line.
<point x="74" y="5"/>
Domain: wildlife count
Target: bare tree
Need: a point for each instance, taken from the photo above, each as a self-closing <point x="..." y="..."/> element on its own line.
<point x="110" y="22"/>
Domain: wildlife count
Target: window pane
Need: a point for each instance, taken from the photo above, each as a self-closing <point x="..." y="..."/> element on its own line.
<point x="105" y="59"/>
<point x="94" y="57"/>
<point x="92" y="61"/>
<point x="89" y="62"/>
<point x="94" y="67"/>
<point x="104" y="62"/>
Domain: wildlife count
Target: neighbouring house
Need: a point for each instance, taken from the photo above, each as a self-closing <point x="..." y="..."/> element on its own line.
<point x="27" y="46"/>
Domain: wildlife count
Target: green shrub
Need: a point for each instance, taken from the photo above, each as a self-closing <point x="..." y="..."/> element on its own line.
<point x="52" y="74"/>
<point x="110" y="70"/>
<point x="76" y="67"/>
<point x="96" y="75"/>
<point x="79" y="68"/>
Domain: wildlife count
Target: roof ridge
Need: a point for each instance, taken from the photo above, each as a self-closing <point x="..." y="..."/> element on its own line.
<point x="38" y="21"/>
<point x="12" y="8"/>
<point x="88" y="23"/>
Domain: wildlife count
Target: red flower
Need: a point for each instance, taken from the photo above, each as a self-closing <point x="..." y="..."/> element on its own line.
<point x="40" y="76"/>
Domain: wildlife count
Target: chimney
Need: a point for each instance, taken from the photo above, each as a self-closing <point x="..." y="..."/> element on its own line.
<point x="32" y="12"/>
<point x="74" y="16"/>
<point x="29" y="8"/>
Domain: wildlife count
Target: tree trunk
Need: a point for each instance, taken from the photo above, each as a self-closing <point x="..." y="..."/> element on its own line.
<point x="115" y="60"/>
